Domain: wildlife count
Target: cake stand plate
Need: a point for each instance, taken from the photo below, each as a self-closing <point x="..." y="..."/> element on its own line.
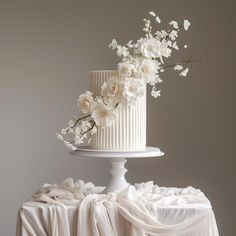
<point x="118" y="160"/>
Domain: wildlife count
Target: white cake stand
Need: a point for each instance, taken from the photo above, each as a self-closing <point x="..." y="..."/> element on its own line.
<point x="118" y="160"/>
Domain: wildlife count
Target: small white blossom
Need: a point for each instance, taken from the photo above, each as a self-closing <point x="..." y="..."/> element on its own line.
<point x="152" y="13"/>
<point x="64" y="131"/>
<point x="175" y="46"/>
<point x="79" y="139"/>
<point x="59" y="136"/>
<point x="122" y="51"/>
<point x="70" y="145"/>
<point x="159" y="80"/>
<point x="71" y="123"/>
<point x="185" y="46"/>
<point x="186" y="24"/>
<point x="78" y="131"/>
<point x="113" y="44"/>
<point x="94" y="130"/>
<point x="178" y="67"/>
<point x="173" y="34"/>
<point x="70" y="130"/>
<point x="86" y="102"/>
<point x="130" y="44"/>
<point x="158" y="20"/>
<point x="103" y="116"/>
<point x="85" y="125"/>
<point x="147" y="23"/>
<point x="155" y="93"/>
<point x="174" y="24"/>
<point x="184" y="72"/>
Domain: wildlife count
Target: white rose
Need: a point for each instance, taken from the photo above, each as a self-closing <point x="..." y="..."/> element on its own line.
<point x="86" y="102"/>
<point x="112" y="91"/>
<point x="133" y="88"/>
<point x="125" y="69"/>
<point x="103" y="116"/>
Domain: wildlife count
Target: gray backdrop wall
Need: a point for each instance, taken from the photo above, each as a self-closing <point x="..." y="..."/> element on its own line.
<point x="46" y="51"/>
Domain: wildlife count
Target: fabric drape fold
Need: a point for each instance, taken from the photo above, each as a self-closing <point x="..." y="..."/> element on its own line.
<point x="140" y="210"/>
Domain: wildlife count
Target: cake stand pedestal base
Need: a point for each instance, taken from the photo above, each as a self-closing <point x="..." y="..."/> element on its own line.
<point x="118" y="160"/>
<point x="117" y="171"/>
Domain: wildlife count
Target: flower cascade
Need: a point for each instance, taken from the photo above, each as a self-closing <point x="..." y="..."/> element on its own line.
<point x="142" y="62"/>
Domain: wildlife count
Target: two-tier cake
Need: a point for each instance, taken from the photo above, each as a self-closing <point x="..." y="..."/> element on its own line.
<point x="113" y="112"/>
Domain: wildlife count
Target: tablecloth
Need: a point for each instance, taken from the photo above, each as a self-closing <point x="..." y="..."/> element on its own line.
<point x="81" y="209"/>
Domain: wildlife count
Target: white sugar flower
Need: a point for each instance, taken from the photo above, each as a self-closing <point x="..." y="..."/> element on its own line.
<point x="155" y="93"/>
<point x="149" y="47"/>
<point x="174" y="24"/>
<point x="133" y="88"/>
<point x="184" y="72"/>
<point x="186" y="24"/>
<point x="103" y="116"/>
<point x="85" y="125"/>
<point x="86" y="102"/>
<point x="112" y="91"/>
<point x="147" y="69"/>
<point x="78" y="131"/>
<point x="125" y="69"/>
<point x="153" y="48"/>
<point x="173" y="34"/>
<point x="122" y="51"/>
<point x="178" y="67"/>
<point x="113" y="44"/>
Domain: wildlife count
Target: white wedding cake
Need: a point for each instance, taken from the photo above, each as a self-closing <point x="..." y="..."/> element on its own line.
<point x="128" y="130"/>
<point x="113" y="111"/>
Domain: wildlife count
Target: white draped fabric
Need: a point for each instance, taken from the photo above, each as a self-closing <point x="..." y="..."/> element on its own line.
<point x="80" y="209"/>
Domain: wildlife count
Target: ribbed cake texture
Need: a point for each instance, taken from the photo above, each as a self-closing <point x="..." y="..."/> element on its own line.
<point x="128" y="130"/>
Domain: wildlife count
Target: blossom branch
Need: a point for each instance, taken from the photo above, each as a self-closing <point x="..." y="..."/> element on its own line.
<point x="82" y="118"/>
<point x="183" y="61"/>
<point x="86" y="131"/>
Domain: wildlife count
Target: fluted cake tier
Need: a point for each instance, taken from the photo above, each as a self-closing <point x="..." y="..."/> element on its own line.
<point x="128" y="131"/>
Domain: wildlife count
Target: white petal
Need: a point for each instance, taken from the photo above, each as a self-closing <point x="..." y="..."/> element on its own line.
<point x="184" y="72"/>
<point x="152" y="13"/>
<point x="174" y="24"/>
<point x="175" y="46"/>
<point x="178" y="67"/>
<point x="158" y="20"/>
<point x="186" y="24"/>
